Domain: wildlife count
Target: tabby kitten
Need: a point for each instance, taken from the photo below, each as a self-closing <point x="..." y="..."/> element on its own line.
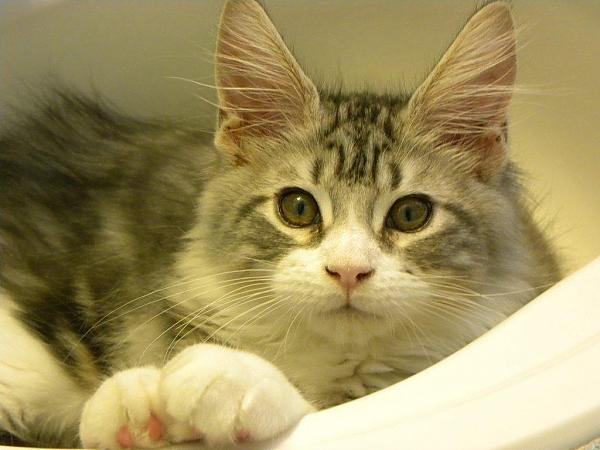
<point x="159" y="287"/>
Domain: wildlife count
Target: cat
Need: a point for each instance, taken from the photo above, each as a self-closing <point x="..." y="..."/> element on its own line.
<point x="160" y="286"/>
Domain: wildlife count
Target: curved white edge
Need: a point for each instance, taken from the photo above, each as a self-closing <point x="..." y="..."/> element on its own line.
<point x="532" y="382"/>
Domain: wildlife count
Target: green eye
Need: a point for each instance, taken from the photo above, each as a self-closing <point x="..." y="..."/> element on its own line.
<point x="298" y="208"/>
<point x="409" y="214"/>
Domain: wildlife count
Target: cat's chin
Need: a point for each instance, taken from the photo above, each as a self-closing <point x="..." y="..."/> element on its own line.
<point x="348" y="324"/>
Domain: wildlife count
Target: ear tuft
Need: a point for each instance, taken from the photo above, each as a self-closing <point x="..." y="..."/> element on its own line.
<point x="464" y="101"/>
<point x="263" y="92"/>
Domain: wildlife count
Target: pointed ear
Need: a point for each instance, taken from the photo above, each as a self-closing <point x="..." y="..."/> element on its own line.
<point x="463" y="102"/>
<point x="263" y="92"/>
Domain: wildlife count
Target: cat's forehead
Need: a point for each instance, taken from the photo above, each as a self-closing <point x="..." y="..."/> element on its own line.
<point x="358" y="139"/>
<point x="361" y="111"/>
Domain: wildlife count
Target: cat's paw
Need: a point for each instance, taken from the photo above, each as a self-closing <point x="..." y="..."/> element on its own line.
<point x="227" y="396"/>
<point x="207" y="392"/>
<point x="123" y="412"/>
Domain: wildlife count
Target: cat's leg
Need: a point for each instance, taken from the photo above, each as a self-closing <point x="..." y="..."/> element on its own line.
<point x="39" y="402"/>
<point x="206" y="392"/>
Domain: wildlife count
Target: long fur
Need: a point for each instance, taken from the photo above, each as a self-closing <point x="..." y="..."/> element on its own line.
<point x="130" y="249"/>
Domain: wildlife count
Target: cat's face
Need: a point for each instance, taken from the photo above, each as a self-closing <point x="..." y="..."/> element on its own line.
<point x="356" y="226"/>
<point x="361" y="211"/>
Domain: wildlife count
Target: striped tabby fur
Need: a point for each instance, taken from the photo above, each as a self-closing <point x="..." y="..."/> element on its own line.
<point x="123" y="242"/>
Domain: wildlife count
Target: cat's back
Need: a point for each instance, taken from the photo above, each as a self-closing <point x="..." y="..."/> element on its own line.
<point x="80" y="184"/>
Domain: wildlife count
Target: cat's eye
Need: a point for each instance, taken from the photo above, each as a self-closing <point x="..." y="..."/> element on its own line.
<point x="298" y="208"/>
<point x="410" y="214"/>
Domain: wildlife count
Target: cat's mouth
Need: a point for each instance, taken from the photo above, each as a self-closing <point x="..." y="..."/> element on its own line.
<point x="351" y="311"/>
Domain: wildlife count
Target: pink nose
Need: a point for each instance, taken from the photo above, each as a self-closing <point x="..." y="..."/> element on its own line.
<point x="349" y="276"/>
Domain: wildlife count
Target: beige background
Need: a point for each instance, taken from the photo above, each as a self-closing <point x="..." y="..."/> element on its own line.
<point x="127" y="50"/>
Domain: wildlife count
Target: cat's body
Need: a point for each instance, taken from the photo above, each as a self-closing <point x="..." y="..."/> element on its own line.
<point x="124" y="243"/>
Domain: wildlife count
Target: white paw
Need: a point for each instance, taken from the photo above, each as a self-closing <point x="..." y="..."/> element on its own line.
<point x="123" y="412"/>
<point x="229" y="396"/>
<point x="206" y="392"/>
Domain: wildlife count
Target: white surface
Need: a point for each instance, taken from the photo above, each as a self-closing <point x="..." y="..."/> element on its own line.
<point x="530" y="383"/>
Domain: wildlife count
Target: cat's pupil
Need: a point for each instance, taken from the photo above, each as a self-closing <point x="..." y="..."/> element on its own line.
<point x="408" y="214"/>
<point x="300" y="207"/>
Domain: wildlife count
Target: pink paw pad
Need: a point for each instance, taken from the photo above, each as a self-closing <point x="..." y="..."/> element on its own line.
<point x="125" y="438"/>
<point x="156" y="430"/>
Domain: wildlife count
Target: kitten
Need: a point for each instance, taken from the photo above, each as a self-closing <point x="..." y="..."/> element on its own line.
<point x="158" y="287"/>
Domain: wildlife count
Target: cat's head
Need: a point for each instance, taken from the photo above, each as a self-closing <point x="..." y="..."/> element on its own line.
<point x="354" y="212"/>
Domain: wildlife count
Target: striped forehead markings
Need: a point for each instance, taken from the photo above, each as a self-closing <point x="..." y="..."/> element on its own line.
<point x="395" y="175"/>
<point x="317" y="170"/>
<point x="357" y="165"/>
<point x="358" y="130"/>
<point x="365" y="109"/>
<point x="376" y="152"/>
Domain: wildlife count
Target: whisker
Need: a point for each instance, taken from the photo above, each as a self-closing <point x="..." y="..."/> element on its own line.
<point x="417" y="328"/>
<point x="176" y="294"/>
<point x="186" y="280"/>
<point x="289" y="329"/>
<point x="484" y="312"/>
<point x="207" y="339"/>
<point x="232" y="302"/>
<point x="263" y="261"/>
<point x="273" y="305"/>
<point x="197" y="313"/>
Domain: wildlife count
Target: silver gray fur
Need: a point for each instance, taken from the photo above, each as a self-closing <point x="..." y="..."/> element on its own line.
<point x="103" y="217"/>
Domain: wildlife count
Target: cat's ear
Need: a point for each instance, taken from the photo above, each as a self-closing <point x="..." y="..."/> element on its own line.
<point x="463" y="102"/>
<point x="263" y="92"/>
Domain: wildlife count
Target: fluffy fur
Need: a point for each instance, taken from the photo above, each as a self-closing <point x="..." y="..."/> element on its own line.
<point x="150" y="283"/>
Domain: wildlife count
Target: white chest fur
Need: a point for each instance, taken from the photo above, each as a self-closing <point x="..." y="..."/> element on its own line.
<point x="329" y="373"/>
